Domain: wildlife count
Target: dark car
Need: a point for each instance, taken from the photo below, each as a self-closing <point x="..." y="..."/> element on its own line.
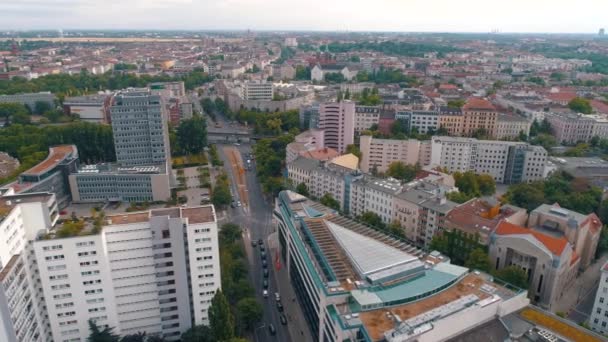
<point x="266" y="273"/>
<point x="283" y="319"/>
<point x="233" y="204"/>
<point x="253" y="243"/>
<point x="280" y="306"/>
<point x="265" y="283"/>
<point x="260" y="242"/>
<point x="262" y="248"/>
<point x="263" y="255"/>
<point x="264" y="263"/>
<point x="272" y="329"/>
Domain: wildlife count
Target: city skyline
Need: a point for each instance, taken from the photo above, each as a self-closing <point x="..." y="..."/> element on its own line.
<point x="387" y="15"/>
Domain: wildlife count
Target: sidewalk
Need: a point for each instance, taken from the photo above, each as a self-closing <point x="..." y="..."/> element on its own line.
<point x="298" y="329"/>
<point x="581" y="287"/>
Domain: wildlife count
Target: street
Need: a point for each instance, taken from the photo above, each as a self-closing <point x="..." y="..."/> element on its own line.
<point x="255" y="217"/>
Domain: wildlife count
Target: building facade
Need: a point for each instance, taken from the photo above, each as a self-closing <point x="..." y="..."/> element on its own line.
<point x="378" y="154"/>
<point x="30" y="99"/>
<point x="366" y="117"/>
<point x="337" y="120"/>
<point x="599" y="316"/>
<point x="90" y="108"/>
<point x="260" y="90"/>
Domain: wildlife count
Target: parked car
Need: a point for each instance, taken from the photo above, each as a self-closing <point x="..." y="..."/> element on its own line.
<point x="263" y="255"/>
<point x="280" y="306"/>
<point x="265" y="293"/>
<point x="283" y="319"/>
<point x="266" y="273"/>
<point x="253" y="243"/>
<point x="277" y="296"/>
<point x="264" y="263"/>
<point x="272" y="329"/>
<point x="260" y="242"/>
<point x="265" y="283"/>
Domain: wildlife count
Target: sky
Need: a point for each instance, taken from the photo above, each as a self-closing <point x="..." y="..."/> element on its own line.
<point x="559" y="16"/>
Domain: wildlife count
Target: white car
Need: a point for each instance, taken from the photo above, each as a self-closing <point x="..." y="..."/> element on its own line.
<point x="265" y="293"/>
<point x="277" y="296"/>
<point x="238" y="203"/>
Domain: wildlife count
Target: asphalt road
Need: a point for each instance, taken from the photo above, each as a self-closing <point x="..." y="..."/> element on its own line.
<point x="256" y="221"/>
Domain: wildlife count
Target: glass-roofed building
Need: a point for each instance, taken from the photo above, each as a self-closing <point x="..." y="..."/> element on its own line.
<point x="356" y="284"/>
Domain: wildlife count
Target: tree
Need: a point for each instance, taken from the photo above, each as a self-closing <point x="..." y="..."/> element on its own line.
<point x="602" y="246"/>
<point x="98" y="335"/>
<point x="192" y="135"/>
<point x="580" y="105"/>
<point x="456" y="103"/>
<point x="513" y="275"/>
<point x="329" y="201"/>
<point x="220" y="318"/>
<point x="220" y="195"/>
<point x="41" y="107"/>
<point x="467" y="183"/>
<point x="352" y="148"/>
<point x="139" y="337"/>
<point x="487" y="185"/>
<point x="249" y="313"/>
<point x="198" y="333"/>
<point x="229" y="233"/>
<point x="8" y="110"/>
<point x="302" y="189"/>
<point x="478" y="259"/>
<point x="401" y="171"/>
<point x="372" y="219"/>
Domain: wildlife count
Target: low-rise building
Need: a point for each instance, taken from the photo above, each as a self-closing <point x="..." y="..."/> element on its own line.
<point x="30" y="99"/>
<point x="572" y="128"/>
<point x="257" y="90"/>
<point x="90" y="108"/>
<point x="511" y="126"/>
<point x="593" y="169"/>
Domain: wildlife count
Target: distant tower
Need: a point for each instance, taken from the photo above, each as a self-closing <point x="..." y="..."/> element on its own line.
<point x="602" y="32"/>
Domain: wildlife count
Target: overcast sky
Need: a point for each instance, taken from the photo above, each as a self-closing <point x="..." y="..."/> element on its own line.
<point x="584" y="16"/>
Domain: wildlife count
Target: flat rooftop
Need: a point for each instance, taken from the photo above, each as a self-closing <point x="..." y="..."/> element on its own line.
<point x="195" y="215"/>
<point x="56" y="155"/>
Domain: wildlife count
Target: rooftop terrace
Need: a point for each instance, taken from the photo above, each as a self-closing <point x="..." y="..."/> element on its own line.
<point x="56" y="155"/>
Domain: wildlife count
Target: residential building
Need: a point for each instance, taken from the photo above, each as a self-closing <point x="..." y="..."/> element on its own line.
<point x="291" y="41"/>
<point x="549" y="261"/>
<point x="423" y="121"/>
<point x="90" y="108"/>
<point x="140" y="129"/>
<point x="168" y="89"/>
<point x="318" y="72"/>
<point x="593" y="169"/>
<point x="366" y="117"/>
<point x="306" y="141"/>
<point x="478" y="114"/>
<point x="572" y="128"/>
<point x="481" y="216"/>
<point x="599" y="317"/>
<point x="355" y="283"/>
<point x="370" y="194"/>
<point x="582" y="231"/>
<point x="309" y="116"/>
<point x="378" y="154"/>
<point x="511" y="126"/>
<point x="257" y="90"/>
<point x="50" y="175"/>
<point x="154" y="272"/>
<point x="507" y="162"/>
<point x="451" y="119"/>
<point x="337" y="120"/>
<point x="30" y="99"/>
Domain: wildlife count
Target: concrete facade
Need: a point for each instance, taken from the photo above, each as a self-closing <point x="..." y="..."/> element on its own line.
<point x="337" y="120"/>
<point x="378" y="154"/>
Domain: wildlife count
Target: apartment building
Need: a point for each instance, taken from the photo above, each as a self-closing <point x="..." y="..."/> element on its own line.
<point x="572" y="128"/>
<point x="50" y="175"/>
<point x="362" y="285"/>
<point x="337" y="120"/>
<point x="549" y="260"/>
<point x="140" y="129"/>
<point x="378" y="154"/>
<point x="511" y="126"/>
<point x="306" y="141"/>
<point x="599" y="317"/>
<point x="478" y="114"/>
<point x="257" y="90"/>
<point x="507" y="162"/>
<point x="451" y="120"/>
<point x="153" y="272"/>
<point x="370" y="194"/>
<point x="423" y="121"/>
<point x="366" y="117"/>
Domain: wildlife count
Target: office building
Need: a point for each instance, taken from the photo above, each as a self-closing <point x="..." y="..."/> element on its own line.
<point x="50" y="175"/>
<point x="153" y="272"/>
<point x="378" y="154"/>
<point x="257" y="90"/>
<point x="168" y="89"/>
<point x="89" y="108"/>
<point x="507" y="162"/>
<point x="140" y="129"/>
<point x="355" y="283"/>
<point x="599" y="314"/>
<point x="30" y="99"/>
<point x="337" y="120"/>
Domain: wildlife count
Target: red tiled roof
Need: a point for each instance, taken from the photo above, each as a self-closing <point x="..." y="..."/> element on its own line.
<point x="322" y="154"/>
<point x="594" y="223"/>
<point x="447" y="86"/>
<point x="555" y="245"/>
<point x="475" y="103"/>
<point x="599" y="106"/>
<point x="561" y="96"/>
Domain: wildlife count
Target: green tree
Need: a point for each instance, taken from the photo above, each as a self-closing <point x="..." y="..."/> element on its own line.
<point x="487" y="185"/>
<point x="198" y="333"/>
<point x="580" y="105"/>
<point x="138" y="337"/>
<point x="41" y="107"/>
<point x="545" y="140"/>
<point x="478" y="259"/>
<point x="513" y="275"/>
<point x="101" y="335"/>
<point x="372" y="219"/>
<point x="302" y="189"/>
<point x="329" y="201"/>
<point x="456" y="103"/>
<point x="192" y="135"/>
<point x="221" y="320"/>
<point x="249" y="313"/>
<point x="220" y="195"/>
<point x="401" y="171"/>
<point x="352" y="148"/>
<point x="467" y="183"/>
<point x="602" y="246"/>
<point x="229" y="233"/>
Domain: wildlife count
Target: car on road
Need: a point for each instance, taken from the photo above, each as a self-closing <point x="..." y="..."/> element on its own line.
<point x="253" y="243"/>
<point x="264" y="263"/>
<point x="233" y="204"/>
<point x="280" y="306"/>
<point x="262" y="248"/>
<point x="272" y="329"/>
<point x="283" y="319"/>
<point x="266" y="273"/>
<point x="237" y="144"/>
<point x="265" y="293"/>
<point x="277" y="296"/>
<point x="265" y="283"/>
<point x="261" y="242"/>
<point x="263" y="255"/>
<point x="238" y="203"/>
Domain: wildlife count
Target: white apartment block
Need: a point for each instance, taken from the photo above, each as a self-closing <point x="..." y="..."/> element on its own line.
<point x="510" y="126"/>
<point x="378" y="154"/>
<point x="572" y="128"/>
<point x="599" y="315"/>
<point x="374" y="195"/>
<point x="366" y="117"/>
<point x="320" y="179"/>
<point x="337" y="120"/>
<point x="260" y="90"/>
<point x="507" y="162"/>
<point x="146" y="271"/>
